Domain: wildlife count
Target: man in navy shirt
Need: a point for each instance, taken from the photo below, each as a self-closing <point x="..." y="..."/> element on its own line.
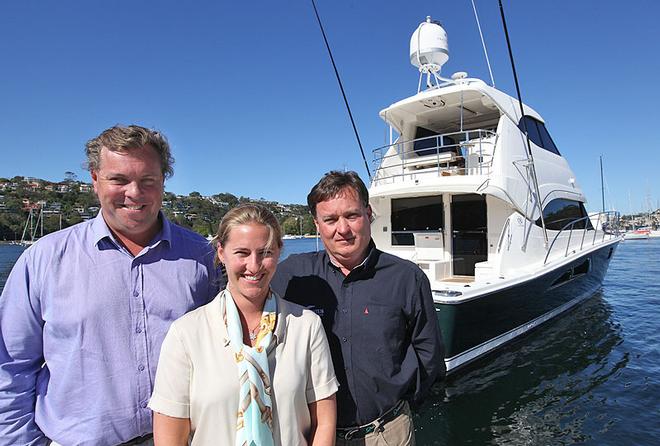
<point x="377" y="311"/>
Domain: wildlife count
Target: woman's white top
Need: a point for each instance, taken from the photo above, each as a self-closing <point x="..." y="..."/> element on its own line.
<point x="197" y="377"/>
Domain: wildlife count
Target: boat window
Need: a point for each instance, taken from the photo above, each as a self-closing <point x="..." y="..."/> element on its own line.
<point x="418" y="214"/>
<point x="538" y="134"/>
<point x="533" y="131"/>
<point x="548" y="143"/>
<point x="431" y="146"/>
<point x="561" y="211"/>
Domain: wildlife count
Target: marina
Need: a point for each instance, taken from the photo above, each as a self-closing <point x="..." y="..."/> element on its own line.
<point x="579" y="379"/>
<point x="547" y="310"/>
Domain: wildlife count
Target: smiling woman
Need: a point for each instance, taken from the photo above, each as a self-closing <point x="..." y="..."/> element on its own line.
<point x="277" y="382"/>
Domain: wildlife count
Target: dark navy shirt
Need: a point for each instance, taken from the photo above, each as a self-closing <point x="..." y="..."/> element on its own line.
<point x="381" y="327"/>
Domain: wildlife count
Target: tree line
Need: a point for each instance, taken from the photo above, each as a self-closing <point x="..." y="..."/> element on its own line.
<point x="72" y="201"/>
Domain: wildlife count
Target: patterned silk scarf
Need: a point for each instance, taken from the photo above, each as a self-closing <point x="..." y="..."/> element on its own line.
<point x="254" y="424"/>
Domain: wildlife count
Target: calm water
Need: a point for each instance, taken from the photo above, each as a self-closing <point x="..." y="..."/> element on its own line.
<point x="591" y="377"/>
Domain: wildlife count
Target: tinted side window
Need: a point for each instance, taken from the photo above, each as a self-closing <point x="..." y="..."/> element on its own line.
<point x="538" y="134"/>
<point x="419" y="214"/>
<point x="548" y="143"/>
<point x="532" y="130"/>
<point x="560" y="212"/>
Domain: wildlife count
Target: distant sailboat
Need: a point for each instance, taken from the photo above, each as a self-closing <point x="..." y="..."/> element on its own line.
<point x="31" y="227"/>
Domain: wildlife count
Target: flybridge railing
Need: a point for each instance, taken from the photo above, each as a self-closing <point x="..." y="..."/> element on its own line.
<point x="606" y="227"/>
<point x="468" y="152"/>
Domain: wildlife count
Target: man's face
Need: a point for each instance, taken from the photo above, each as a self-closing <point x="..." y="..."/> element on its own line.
<point x="130" y="188"/>
<point x="344" y="225"/>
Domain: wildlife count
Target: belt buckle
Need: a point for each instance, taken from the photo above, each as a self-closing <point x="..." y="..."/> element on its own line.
<point x="349" y="435"/>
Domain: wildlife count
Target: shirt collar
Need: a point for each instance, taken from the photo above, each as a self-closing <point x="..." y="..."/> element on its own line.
<point x="368" y="261"/>
<point x="166" y="230"/>
<point x="100" y="230"/>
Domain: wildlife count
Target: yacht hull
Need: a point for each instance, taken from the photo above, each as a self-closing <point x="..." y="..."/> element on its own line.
<point x="473" y="328"/>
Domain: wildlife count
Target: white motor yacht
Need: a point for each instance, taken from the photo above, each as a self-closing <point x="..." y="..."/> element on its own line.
<point x="495" y="219"/>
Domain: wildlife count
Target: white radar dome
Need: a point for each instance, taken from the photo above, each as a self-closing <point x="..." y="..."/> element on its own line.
<point x="428" y="46"/>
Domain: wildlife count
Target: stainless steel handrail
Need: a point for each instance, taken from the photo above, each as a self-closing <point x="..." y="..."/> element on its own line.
<point x="456" y="140"/>
<point x="571" y="226"/>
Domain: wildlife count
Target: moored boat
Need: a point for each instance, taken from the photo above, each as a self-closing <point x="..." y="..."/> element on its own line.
<point x="637" y="234"/>
<point x="478" y="195"/>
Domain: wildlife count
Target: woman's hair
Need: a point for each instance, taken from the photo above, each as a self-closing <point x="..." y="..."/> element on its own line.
<point x="245" y="214"/>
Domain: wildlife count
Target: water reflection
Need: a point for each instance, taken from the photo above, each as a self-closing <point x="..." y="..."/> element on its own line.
<point x="539" y="390"/>
<point x="8" y="255"/>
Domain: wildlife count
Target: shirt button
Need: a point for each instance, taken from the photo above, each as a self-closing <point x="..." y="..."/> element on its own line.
<point x="143" y="404"/>
<point x="344" y="310"/>
<point x="140" y="367"/>
<point x="136" y="294"/>
<point x="138" y="330"/>
<point x="344" y="339"/>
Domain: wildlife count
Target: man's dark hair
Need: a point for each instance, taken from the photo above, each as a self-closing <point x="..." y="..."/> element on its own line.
<point x="332" y="184"/>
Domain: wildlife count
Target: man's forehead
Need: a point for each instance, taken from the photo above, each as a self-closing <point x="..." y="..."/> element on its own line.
<point x="346" y="200"/>
<point x="128" y="150"/>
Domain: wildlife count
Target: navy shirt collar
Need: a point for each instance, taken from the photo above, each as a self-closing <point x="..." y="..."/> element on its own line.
<point x="367" y="264"/>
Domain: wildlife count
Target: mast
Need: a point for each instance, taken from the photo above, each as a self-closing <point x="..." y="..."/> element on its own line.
<point x="602" y="183"/>
<point x="25" y="228"/>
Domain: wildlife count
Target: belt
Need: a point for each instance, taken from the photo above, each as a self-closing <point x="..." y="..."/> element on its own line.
<point x="348" y="433"/>
<point x="138" y="440"/>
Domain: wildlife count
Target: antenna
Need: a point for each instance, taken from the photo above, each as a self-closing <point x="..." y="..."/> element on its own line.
<point x="483" y="44"/>
<point x="429" y="51"/>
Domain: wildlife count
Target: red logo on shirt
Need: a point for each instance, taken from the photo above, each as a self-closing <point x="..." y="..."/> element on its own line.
<point x="366" y="310"/>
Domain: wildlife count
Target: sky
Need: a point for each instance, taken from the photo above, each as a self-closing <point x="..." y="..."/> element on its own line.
<point x="246" y="94"/>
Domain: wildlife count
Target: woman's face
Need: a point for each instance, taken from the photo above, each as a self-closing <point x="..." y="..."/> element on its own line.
<point x="249" y="262"/>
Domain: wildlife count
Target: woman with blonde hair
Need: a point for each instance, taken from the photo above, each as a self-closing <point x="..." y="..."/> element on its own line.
<point x="248" y="368"/>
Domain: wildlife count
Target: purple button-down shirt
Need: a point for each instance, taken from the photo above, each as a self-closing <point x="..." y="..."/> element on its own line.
<point x="81" y="325"/>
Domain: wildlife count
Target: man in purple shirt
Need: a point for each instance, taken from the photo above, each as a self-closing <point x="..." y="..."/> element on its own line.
<point x="85" y="309"/>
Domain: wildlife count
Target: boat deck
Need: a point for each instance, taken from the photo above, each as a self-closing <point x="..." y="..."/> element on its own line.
<point x="459" y="279"/>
